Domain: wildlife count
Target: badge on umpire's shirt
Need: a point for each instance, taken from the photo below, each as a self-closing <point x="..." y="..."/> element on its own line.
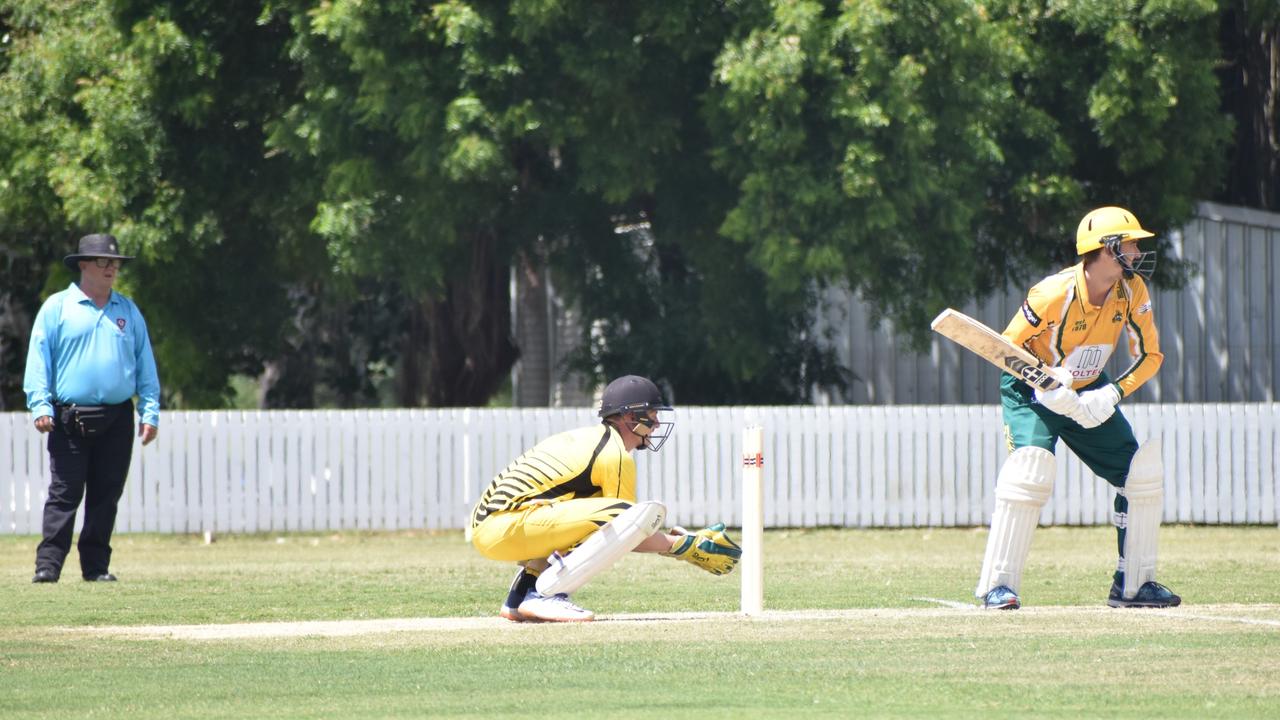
<point x="120" y="324"/>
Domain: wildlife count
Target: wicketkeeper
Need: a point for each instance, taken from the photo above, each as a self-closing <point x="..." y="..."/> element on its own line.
<point x="1072" y="321"/>
<point x="566" y="509"/>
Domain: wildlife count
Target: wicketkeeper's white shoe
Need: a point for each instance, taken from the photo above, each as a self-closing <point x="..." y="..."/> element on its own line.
<point x="555" y="608"/>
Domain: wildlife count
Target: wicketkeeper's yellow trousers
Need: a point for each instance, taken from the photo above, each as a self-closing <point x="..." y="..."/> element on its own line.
<point x="534" y="532"/>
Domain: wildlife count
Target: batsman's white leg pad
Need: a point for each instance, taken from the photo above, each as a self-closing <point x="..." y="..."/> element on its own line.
<point x="1144" y="489"/>
<point x="1024" y="486"/>
<point x="602" y="549"/>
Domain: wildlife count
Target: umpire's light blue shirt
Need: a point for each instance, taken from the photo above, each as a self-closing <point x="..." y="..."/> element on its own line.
<point x="87" y="355"/>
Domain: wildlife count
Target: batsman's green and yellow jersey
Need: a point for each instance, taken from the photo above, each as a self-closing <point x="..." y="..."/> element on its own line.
<point x="583" y="463"/>
<point x="1059" y="325"/>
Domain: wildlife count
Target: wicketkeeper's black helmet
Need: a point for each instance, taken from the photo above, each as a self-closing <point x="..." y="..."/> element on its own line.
<point x="631" y="393"/>
<point x="635" y="394"/>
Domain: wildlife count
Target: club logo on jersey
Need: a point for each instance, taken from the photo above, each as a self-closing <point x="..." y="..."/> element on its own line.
<point x="1086" y="362"/>
<point x="1117" y="317"/>
<point x="120" y="324"/>
<point x="1030" y="314"/>
<point x="1144" y="308"/>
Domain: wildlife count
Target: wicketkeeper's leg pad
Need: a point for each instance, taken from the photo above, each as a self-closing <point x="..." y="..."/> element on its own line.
<point x="1144" y="489"/>
<point x="1023" y="487"/>
<point x="602" y="548"/>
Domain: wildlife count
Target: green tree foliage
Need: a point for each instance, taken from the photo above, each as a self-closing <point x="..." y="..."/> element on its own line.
<point x="232" y="268"/>
<point x="128" y="124"/>
<point x="324" y="191"/>
<point x="926" y="152"/>
<point x="51" y="159"/>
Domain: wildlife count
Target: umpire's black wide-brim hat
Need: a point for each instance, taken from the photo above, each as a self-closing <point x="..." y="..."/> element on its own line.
<point x="97" y="245"/>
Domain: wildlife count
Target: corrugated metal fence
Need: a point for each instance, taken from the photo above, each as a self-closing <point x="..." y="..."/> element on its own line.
<point x="1220" y="333"/>
<point x="868" y="466"/>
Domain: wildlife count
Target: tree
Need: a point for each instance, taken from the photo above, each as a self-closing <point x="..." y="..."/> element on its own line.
<point x="330" y="194"/>
<point x="523" y="130"/>
<point x="44" y="196"/>
<point x="926" y="152"/>
<point x="123" y="123"/>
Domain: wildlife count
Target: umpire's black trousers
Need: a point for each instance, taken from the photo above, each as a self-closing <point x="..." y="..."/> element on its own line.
<point x="93" y="469"/>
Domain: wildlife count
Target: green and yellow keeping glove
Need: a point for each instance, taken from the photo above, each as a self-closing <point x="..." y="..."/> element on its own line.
<point x="709" y="548"/>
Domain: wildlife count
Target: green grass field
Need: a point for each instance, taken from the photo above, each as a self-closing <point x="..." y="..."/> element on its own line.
<point x="885" y="638"/>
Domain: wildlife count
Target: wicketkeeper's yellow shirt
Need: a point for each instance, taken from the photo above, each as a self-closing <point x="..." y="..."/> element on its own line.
<point x="1059" y="325"/>
<point x="587" y="462"/>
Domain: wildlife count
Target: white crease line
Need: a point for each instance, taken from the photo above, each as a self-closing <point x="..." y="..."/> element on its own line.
<point x="1218" y="618"/>
<point x="1144" y="611"/>
<point x="947" y="603"/>
<point x="342" y="628"/>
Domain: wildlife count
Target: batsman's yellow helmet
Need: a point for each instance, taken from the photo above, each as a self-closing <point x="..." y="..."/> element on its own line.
<point x="1105" y="222"/>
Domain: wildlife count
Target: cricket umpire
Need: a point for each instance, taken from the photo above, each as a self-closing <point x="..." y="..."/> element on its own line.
<point x="90" y="354"/>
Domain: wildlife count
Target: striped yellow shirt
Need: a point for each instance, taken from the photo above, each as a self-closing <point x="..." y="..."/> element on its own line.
<point x="1059" y="325"/>
<point x="582" y="463"/>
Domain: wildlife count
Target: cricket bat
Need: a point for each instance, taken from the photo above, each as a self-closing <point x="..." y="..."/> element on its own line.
<point x="994" y="348"/>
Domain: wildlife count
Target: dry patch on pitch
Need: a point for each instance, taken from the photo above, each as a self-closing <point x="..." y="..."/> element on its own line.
<point x="1242" y="616"/>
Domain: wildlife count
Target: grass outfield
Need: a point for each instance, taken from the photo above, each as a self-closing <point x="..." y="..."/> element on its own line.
<point x="874" y="625"/>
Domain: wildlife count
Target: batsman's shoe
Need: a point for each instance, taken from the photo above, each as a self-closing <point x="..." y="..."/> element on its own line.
<point x="520" y="587"/>
<point x="1151" y="595"/>
<point x="553" y="608"/>
<point x="1001" y="597"/>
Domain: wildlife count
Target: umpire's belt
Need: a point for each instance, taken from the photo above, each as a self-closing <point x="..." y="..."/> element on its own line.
<point x="88" y="420"/>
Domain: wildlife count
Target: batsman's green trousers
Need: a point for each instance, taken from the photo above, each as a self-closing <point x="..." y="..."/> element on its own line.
<point x="1106" y="449"/>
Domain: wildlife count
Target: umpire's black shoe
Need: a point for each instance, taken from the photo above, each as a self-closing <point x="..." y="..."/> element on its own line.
<point x="45" y="576"/>
<point x="104" y="577"/>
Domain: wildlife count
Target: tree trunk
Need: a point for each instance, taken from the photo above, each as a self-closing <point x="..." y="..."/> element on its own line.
<point x="1251" y="93"/>
<point x="458" y="348"/>
<point x="15" y="334"/>
<point x="25" y="258"/>
<point x="533" y="377"/>
<point x="288" y="380"/>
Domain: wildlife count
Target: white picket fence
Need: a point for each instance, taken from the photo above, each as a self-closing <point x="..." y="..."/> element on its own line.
<point x="850" y="466"/>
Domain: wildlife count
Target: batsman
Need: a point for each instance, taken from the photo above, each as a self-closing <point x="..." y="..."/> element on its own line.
<point x="566" y="510"/>
<point x="1073" y="321"/>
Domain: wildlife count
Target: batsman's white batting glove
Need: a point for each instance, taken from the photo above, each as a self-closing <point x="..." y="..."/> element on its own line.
<point x="1097" y="406"/>
<point x="1062" y="400"/>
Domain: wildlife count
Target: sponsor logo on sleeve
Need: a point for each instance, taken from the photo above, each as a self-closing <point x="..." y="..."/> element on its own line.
<point x="1144" y="308"/>
<point x="1030" y="314"/>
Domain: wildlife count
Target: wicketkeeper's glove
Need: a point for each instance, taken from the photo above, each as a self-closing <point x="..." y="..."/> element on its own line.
<point x="709" y="548"/>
